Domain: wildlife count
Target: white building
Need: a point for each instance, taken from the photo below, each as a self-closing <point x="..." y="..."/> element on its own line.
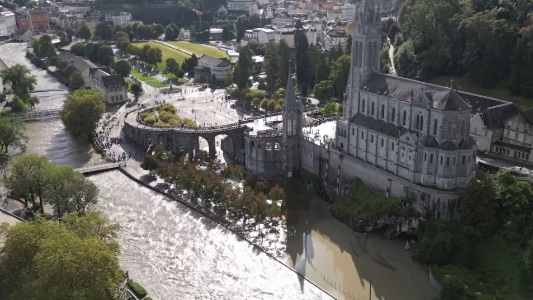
<point x="286" y="34"/>
<point x="184" y="34"/>
<point x="260" y="35"/>
<point x="8" y="24"/>
<point x="77" y="7"/>
<point x="334" y="38"/>
<point x="121" y="18"/>
<point x="239" y="5"/>
<point x="334" y="14"/>
<point x="253" y="10"/>
<point x="207" y="66"/>
<point x="348" y="12"/>
<point x="112" y="87"/>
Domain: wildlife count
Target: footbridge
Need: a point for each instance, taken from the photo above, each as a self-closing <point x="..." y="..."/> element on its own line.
<point x="37" y="115"/>
<point x="183" y="139"/>
<point x="99" y="168"/>
<point x="48" y="90"/>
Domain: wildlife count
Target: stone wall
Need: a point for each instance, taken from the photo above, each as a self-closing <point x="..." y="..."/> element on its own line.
<point x="338" y="167"/>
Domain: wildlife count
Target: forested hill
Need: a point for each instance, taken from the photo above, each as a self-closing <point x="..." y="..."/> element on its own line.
<point x="488" y="41"/>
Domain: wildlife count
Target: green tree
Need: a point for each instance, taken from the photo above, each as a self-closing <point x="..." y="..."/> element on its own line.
<point x="172" y="66"/>
<point x="105" y="31"/>
<point x="170" y="35"/>
<point x="76" y="81"/>
<point x="67" y="260"/>
<point x="271" y="66"/>
<point x="522" y="82"/>
<point x="26" y="175"/>
<point x="330" y="108"/>
<point x="516" y="204"/>
<point x="12" y="133"/>
<point x="303" y="60"/>
<point x="158" y="30"/>
<point x="154" y="56"/>
<point x="452" y="289"/>
<point x="84" y="32"/>
<point x="82" y="111"/>
<point x="324" y="90"/>
<point x="242" y="69"/>
<point x="46" y="48"/>
<point x="123" y="68"/>
<point x="17" y="105"/>
<point x="20" y="79"/>
<point x="479" y="204"/>
<point x="136" y="89"/>
<point x="489" y="42"/>
<point x="123" y="43"/>
<point x="228" y="79"/>
<point x="339" y="74"/>
<point x="105" y="55"/>
<point x="68" y="191"/>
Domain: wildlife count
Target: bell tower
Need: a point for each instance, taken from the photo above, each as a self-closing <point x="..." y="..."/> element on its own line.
<point x="292" y="129"/>
<point x="366" y="46"/>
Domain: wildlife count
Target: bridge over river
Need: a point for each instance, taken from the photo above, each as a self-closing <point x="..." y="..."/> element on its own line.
<point x="99" y="168"/>
<point x="37" y="115"/>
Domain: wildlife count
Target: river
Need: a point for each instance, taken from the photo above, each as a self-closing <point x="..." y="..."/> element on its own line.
<point x="177" y="254"/>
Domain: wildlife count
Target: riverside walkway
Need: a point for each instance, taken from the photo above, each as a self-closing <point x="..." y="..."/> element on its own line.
<point x="99" y="168"/>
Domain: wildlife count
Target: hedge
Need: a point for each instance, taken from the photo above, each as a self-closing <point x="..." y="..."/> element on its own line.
<point x="137" y="289"/>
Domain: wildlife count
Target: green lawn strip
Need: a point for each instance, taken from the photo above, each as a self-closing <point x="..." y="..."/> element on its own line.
<point x="495" y="271"/>
<point x="501" y="92"/>
<point x="199" y="49"/>
<point x="167" y="53"/>
<point x="152" y="81"/>
<point x="362" y="203"/>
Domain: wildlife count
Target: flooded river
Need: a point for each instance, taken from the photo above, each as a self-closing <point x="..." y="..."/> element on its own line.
<point x="177" y="254"/>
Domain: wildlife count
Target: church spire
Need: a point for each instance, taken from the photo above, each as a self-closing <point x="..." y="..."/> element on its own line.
<point x="290" y="94"/>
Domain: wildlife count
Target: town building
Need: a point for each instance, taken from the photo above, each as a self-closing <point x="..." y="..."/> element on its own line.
<point x="121" y="18"/>
<point x="286" y="34"/>
<point x="112" y="86"/>
<point x="335" y="37"/>
<point x="37" y="20"/>
<point x="79" y="64"/>
<point x="64" y="20"/>
<point x="215" y="34"/>
<point x="209" y="66"/>
<point x="76" y="7"/>
<point x="239" y="5"/>
<point x="260" y="35"/>
<point x="257" y="65"/>
<point x="8" y="24"/>
<point x="23" y="35"/>
<point x="184" y="34"/>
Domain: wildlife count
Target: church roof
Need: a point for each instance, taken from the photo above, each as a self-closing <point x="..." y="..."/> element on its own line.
<point x="290" y="95"/>
<point x="480" y="103"/>
<point x="113" y="80"/>
<point x="378" y="125"/>
<point x="431" y="142"/>
<point x="528" y="114"/>
<point x="467" y="143"/>
<point x="448" y="146"/>
<point x="407" y="89"/>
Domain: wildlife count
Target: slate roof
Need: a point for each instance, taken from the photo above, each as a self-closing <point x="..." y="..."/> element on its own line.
<point x="494" y="117"/>
<point x="407" y="89"/>
<point x="113" y="80"/>
<point x="213" y="62"/>
<point x="528" y="113"/>
<point x="480" y="103"/>
<point x="21" y="32"/>
<point x="513" y="146"/>
<point x="448" y="146"/>
<point x="467" y="143"/>
<point x="104" y="69"/>
<point x="98" y="73"/>
<point x="378" y="125"/>
<point x="431" y="142"/>
<point x="77" y="62"/>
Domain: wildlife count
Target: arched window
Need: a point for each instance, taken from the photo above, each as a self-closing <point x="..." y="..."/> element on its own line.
<point x="435" y="124"/>
<point x="383" y="111"/>
<point x="447" y="161"/>
<point x="268" y="147"/>
<point x="372" y="108"/>
<point x="431" y="158"/>
<point x="363" y="105"/>
<point x="463" y="160"/>
<point x="121" y="98"/>
<point x="276" y="146"/>
<point x="392" y="146"/>
<point x="425" y="156"/>
<point x="421" y="122"/>
<point x="404" y="122"/>
<point x="112" y="99"/>
<point x="393" y="117"/>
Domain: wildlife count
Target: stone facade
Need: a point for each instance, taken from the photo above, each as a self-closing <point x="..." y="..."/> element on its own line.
<point x="112" y="87"/>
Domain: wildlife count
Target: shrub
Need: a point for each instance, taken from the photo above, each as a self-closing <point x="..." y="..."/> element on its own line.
<point x="137" y="289"/>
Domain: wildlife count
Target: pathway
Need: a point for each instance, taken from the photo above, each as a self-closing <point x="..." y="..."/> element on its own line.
<point x="392" y="70"/>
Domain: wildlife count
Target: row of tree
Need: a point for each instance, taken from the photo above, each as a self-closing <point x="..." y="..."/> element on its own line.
<point x="491" y="42"/>
<point x="215" y="187"/>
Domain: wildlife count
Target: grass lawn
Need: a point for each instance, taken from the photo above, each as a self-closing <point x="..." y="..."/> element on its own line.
<point x="151" y="81"/>
<point x="167" y="53"/>
<point x="363" y="203"/>
<point x="501" y="92"/>
<point x="496" y="271"/>
<point x="200" y="49"/>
